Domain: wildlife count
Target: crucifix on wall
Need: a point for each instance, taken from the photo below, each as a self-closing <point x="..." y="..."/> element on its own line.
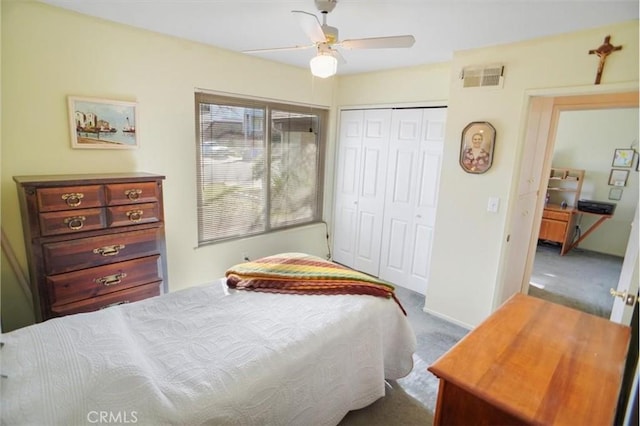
<point x="603" y="51"/>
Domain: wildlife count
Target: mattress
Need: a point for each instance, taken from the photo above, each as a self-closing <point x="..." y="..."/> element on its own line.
<point x="207" y="355"/>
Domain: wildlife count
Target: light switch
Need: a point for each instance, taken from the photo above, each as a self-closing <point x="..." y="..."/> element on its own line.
<point x="494" y="203"/>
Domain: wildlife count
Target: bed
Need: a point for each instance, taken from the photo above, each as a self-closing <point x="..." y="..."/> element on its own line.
<point x="210" y="354"/>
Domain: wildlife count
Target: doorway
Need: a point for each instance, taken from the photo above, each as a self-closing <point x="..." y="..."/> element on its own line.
<point x="536" y="162"/>
<point x="587" y="140"/>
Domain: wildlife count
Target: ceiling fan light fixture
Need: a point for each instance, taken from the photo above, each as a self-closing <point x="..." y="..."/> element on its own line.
<point x="323" y="65"/>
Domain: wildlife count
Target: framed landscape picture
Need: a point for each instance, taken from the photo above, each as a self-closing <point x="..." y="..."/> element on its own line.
<point x="102" y="123"/>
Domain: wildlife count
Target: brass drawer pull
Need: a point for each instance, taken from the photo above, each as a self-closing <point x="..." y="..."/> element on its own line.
<point x="115" y="304"/>
<point x="133" y="194"/>
<point x="110" y="279"/>
<point x="109" y="250"/>
<point x="75" y="222"/>
<point x="73" y="199"/>
<point x="135" y="215"/>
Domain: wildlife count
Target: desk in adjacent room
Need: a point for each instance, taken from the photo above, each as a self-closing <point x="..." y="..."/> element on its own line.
<point x="533" y="362"/>
<point x="558" y="225"/>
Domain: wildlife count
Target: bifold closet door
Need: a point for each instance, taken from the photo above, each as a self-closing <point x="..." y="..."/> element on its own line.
<point x="360" y="188"/>
<point x="413" y="177"/>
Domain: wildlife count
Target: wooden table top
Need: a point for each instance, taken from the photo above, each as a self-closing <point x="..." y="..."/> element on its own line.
<point x="542" y="362"/>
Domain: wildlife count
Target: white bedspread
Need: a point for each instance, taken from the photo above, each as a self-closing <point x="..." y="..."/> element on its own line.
<point x="207" y="355"/>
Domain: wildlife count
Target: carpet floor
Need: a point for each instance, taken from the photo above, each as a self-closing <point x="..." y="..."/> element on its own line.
<point x="580" y="279"/>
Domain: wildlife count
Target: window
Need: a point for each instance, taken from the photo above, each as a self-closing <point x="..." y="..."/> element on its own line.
<point x="260" y="166"/>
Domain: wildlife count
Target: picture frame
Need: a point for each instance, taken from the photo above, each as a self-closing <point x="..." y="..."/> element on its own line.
<point x="476" y="147"/>
<point x="623" y="157"/>
<point x="615" y="194"/>
<point x="618" y="177"/>
<point x="96" y="123"/>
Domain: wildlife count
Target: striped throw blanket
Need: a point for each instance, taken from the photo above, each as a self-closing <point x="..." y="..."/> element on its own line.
<point x="301" y="273"/>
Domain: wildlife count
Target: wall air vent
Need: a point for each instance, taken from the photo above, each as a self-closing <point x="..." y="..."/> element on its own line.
<point x="483" y="76"/>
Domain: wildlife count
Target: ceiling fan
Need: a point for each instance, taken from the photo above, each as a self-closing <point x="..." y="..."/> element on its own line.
<point x="325" y="39"/>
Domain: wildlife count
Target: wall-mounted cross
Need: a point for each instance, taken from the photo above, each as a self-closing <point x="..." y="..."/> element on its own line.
<point x="603" y="51"/>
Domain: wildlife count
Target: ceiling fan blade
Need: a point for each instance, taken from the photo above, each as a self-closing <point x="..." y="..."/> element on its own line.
<point x="379" y="42"/>
<point x="279" y="49"/>
<point x="311" y="26"/>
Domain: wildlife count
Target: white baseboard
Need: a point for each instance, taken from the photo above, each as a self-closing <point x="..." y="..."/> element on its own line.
<point x="446" y="318"/>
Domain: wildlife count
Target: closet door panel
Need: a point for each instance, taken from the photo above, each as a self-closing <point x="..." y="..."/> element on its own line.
<point x="397" y="240"/>
<point x="401" y="173"/>
<point x="367" y="242"/>
<point x="373" y="173"/>
<point x="347" y="187"/>
<point x="360" y="188"/>
<point x="415" y="154"/>
<point x="400" y="201"/>
<point x="343" y="235"/>
<point x="431" y="149"/>
<point x="422" y="250"/>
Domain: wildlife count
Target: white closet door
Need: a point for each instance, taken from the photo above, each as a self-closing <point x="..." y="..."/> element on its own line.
<point x="375" y="146"/>
<point x="346" y="190"/>
<point x="360" y="189"/>
<point x="415" y="160"/>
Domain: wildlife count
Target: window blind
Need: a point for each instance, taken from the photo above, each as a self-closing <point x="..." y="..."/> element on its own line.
<point x="260" y="166"/>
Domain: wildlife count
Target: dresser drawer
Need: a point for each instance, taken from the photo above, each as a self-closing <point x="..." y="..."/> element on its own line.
<point x="66" y="222"/>
<point x="87" y="283"/>
<point x="65" y="198"/>
<point x="133" y="214"/>
<point x="105" y="301"/>
<point x="552" y="214"/>
<point x="135" y="192"/>
<point x="67" y="256"/>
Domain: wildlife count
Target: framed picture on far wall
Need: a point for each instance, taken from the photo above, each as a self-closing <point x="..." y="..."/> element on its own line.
<point x="623" y="157"/>
<point x="618" y="177"/>
<point x="103" y="123"/>
<point x="615" y="194"/>
<point x="476" y="147"/>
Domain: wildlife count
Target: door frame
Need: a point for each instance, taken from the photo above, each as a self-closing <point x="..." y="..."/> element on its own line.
<point x="546" y="141"/>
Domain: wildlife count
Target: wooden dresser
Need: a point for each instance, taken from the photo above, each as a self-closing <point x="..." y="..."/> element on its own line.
<point x="92" y="241"/>
<point x="533" y="362"/>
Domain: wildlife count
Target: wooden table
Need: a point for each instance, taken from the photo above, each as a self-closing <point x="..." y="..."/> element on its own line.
<point x="533" y="362"/>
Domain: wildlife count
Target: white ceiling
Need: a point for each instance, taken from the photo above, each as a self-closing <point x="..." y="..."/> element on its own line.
<point x="439" y="26"/>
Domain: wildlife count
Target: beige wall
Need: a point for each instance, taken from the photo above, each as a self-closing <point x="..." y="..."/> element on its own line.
<point x="587" y="140"/>
<point x="48" y="54"/>
<point x="469" y="242"/>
